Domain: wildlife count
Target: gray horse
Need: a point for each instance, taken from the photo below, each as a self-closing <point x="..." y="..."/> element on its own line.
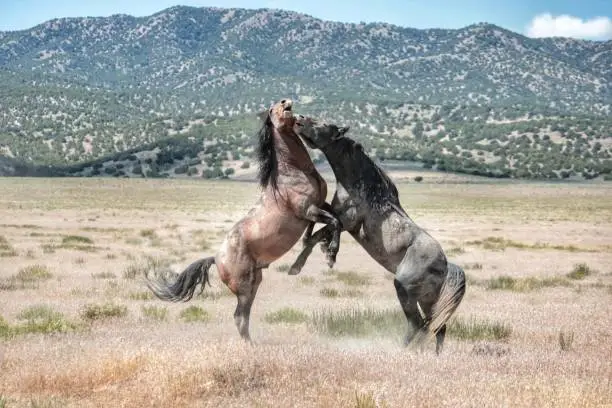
<point x="366" y="201"/>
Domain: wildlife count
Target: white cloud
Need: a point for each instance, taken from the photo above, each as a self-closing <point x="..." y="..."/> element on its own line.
<point x="547" y="25"/>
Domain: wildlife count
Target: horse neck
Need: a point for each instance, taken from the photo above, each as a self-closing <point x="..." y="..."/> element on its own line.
<point x="291" y="153"/>
<point x="340" y="156"/>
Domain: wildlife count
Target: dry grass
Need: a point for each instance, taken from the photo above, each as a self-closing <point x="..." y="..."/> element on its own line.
<point x="335" y="293"/>
<point x="500" y="244"/>
<point x="84" y="381"/>
<point x="327" y="338"/>
<point x="524" y="284"/>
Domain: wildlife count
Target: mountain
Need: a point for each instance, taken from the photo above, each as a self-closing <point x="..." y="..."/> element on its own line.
<point x="79" y="92"/>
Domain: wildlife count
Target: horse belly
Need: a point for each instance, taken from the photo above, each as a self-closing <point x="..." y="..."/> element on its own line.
<point x="272" y="235"/>
<point x="385" y="245"/>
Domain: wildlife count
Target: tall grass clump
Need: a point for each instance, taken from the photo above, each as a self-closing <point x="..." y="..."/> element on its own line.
<point x="158" y="313"/>
<point x="6" y="249"/>
<point x="367" y="400"/>
<point x="566" y="340"/>
<point x="358" y="322"/>
<point x="329" y="292"/>
<point x="478" y="329"/>
<point x="27" y="278"/>
<point x="33" y="273"/>
<point x="286" y="315"/>
<point x="152" y="265"/>
<point x="283" y="268"/>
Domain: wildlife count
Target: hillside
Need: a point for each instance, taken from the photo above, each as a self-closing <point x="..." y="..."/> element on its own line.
<point x="176" y="93"/>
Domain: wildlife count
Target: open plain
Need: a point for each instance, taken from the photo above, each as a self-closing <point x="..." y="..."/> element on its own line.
<point x="78" y="327"/>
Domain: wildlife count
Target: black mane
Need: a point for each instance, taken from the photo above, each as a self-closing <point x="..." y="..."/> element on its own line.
<point x="266" y="155"/>
<point x="378" y="186"/>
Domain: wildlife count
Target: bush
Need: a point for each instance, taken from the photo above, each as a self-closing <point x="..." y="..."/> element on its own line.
<point x="580" y="271"/>
<point x="93" y="312"/>
<point x="194" y="314"/>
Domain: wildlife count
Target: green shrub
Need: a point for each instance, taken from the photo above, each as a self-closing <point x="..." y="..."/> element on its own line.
<point x="286" y="315"/>
<point x="92" y="312"/>
<point x="194" y="314"/>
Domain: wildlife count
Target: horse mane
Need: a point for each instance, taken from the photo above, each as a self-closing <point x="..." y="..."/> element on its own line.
<point x="374" y="174"/>
<point x="266" y="155"/>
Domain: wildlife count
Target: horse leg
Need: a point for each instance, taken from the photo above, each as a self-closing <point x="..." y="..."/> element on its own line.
<point x="309" y="242"/>
<point x="440" y="339"/>
<point x="410" y="309"/>
<point x="245" y="290"/>
<point x="317" y="214"/>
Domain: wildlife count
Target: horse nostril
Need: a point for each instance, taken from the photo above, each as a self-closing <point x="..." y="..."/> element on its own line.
<point x="283" y="101"/>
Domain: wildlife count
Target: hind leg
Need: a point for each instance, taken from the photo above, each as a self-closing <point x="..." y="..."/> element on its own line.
<point x="244" y="285"/>
<point x="408" y="303"/>
<point x="440" y="339"/>
<point x="246" y="295"/>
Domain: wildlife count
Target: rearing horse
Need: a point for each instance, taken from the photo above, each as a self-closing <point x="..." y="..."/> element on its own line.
<point x="366" y="201"/>
<point x="292" y="197"/>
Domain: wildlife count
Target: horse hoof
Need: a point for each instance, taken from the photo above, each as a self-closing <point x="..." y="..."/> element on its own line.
<point x="331" y="262"/>
<point x="294" y="270"/>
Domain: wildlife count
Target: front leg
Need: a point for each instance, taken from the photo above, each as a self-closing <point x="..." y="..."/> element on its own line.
<point x="317" y="214"/>
<point x="324" y="234"/>
<point x="308" y="233"/>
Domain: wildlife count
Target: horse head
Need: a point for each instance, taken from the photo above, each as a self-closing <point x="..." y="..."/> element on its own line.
<point x="279" y="116"/>
<point x="318" y="135"/>
<point x="278" y="119"/>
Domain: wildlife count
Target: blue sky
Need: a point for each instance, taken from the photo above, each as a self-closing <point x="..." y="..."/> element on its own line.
<point x="581" y="19"/>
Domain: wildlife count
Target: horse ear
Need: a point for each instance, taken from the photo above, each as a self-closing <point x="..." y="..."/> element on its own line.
<point x="343" y="130"/>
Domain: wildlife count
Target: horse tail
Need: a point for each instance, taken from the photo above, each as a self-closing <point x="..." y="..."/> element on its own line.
<point x="183" y="288"/>
<point x="451" y="295"/>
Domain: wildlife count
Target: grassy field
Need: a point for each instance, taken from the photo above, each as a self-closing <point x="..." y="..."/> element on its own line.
<point x="78" y="328"/>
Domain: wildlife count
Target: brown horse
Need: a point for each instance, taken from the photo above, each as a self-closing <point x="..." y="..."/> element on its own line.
<point x="292" y="196"/>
